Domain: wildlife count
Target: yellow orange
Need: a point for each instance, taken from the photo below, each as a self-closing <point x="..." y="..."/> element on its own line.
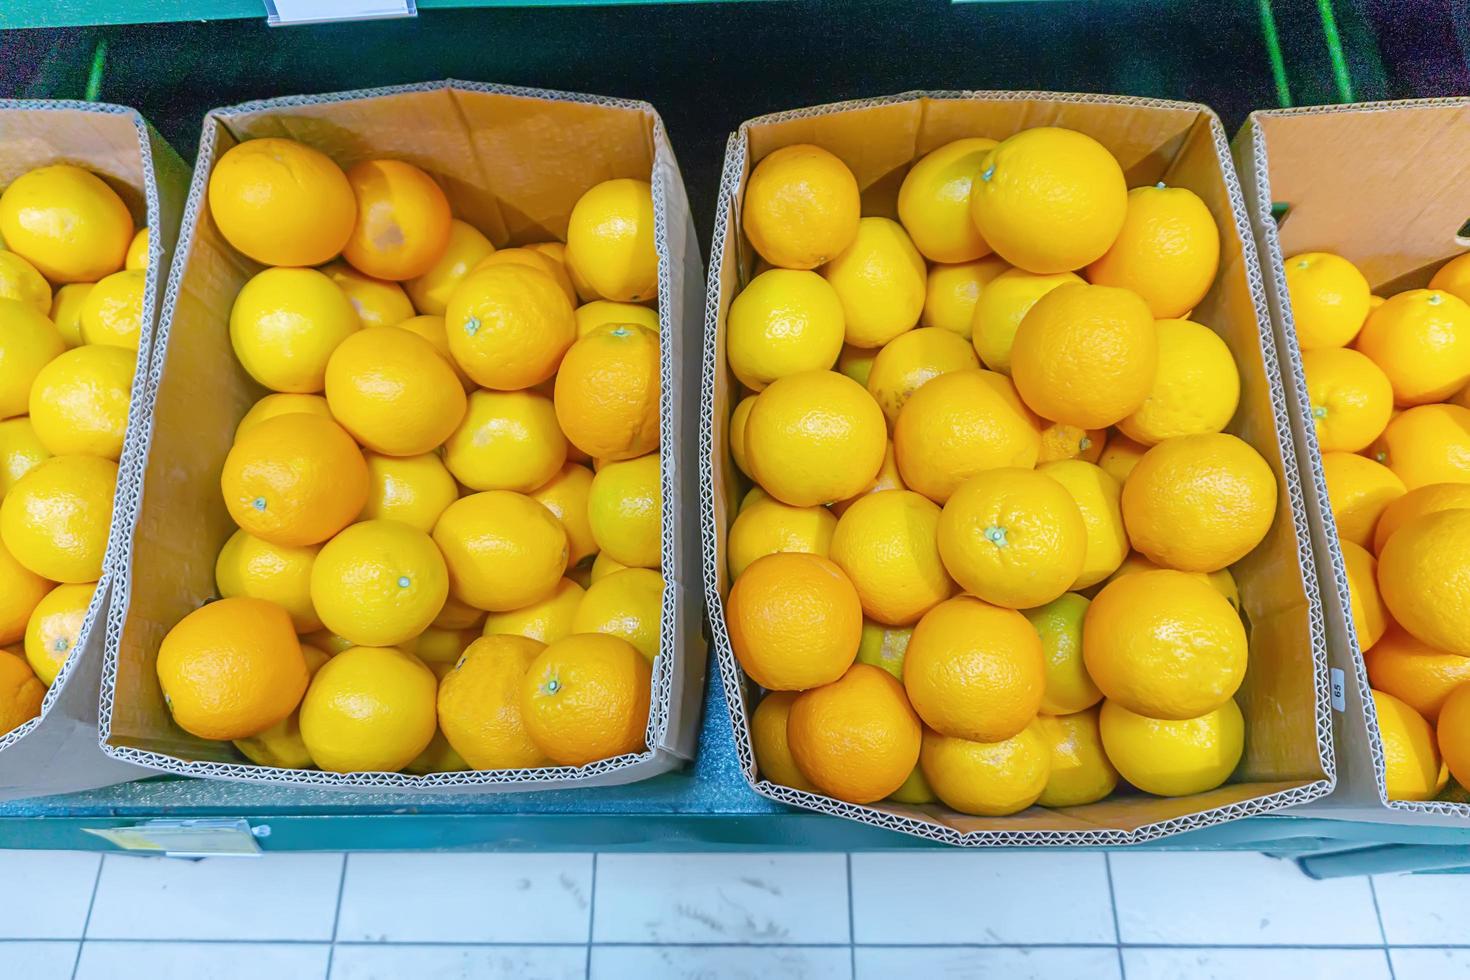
<point x="19" y="280"/>
<point x="987" y="779"/>
<point x="112" y="313"/>
<point x="610" y="240"/>
<point x="607" y="392"/>
<point x="393" y="392"/>
<point x="66" y="311"/>
<point x="284" y="326"/>
<point x="856" y="738"/>
<point x="369" y="709"/>
<point x="546" y="621"/>
<point x="815" y="437"/>
<point x="795" y="621"/>
<point x="1080" y="770"/>
<point x="28" y="342"/>
<point x="1195" y="389"/>
<point x="884" y="646"/>
<point x="1359" y="490"/>
<point x="586" y="698"/>
<point x="377" y="302"/>
<point x="909" y="361"/>
<point x="887" y="545"/>
<point x="768" y="739"/>
<point x="952" y="292"/>
<point x="1098" y="497"/>
<point x="138" y="249"/>
<point x="21" y="692"/>
<point x="431" y="328"/>
<point x="625" y="511"/>
<point x="508" y="326"/>
<point x="281" y="202"/>
<point x="56" y="518"/>
<point x="768" y="526"/>
<point x="506" y="440"/>
<point x="566" y="495"/>
<point x="379" y="583"/>
<point x="248" y="566"/>
<point x="1454" y="734"/>
<point x="1370" y="616"/>
<point x="1173" y="758"/>
<point x="1421" y="340"/>
<point x="880" y="279"/>
<point x="784" y="322"/>
<point x="1329" y="299"/>
<point x="67" y="222"/>
<point x="20" y="591"/>
<point x="20" y="451"/>
<point x="466" y="248"/>
<point x="600" y="311"/>
<point x="628" y="604"/>
<point x="294" y="480"/>
<point x="1424" y="578"/>
<point x="479" y="704"/>
<point x="1415" y="672"/>
<point x="1000" y="308"/>
<point x="1413" y="769"/>
<point x="55" y="629"/>
<point x="801" y="207"/>
<point x="1416" y="503"/>
<point x="79" y="402"/>
<point x="536" y="260"/>
<point x="1351" y="399"/>
<point x="1167" y="251"/>
<point x="412" y="489"/>
<point x="1120" y="455"/>
<point x="934" y="201"/>
<point x="1062" y="441"/>
<point x="1069" y="688"/>
<point x="503" y="549"/>
<point x="282" y="403"/>
<point x="1423" y="445"/>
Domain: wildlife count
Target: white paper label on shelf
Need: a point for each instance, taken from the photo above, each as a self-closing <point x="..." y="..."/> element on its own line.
<point x="186" y="838"/>
<point x="281" y="13"/>
<point x="1339" y="689"/>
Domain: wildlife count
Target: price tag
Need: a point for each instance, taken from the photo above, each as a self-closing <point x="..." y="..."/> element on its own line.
<point x="1339" y="689"/>
<point x="187" y="838"/>
<point x="283" y="13"/>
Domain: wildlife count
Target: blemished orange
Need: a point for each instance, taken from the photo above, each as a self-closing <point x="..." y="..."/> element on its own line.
<point x="411" y="489"/>
<point x="857" y="739"/>
<point x="21" y="692"/>
<point x="1062" y="441"/>
<point x="249" y="566"/>
<point x="1369" y="615"/>
<point x="1424" y="578"/>
<point x="1453" y="734"/>
<point x="284" y="326"/>
<point x="607" y="392"/>
<point x="1012" y="537"/>
<point x="974" y="671"/>
<point x="294" y="480"/>
<point x="1196" y="387"/>
<point x="1097" y="496"/>
<point x="393" y="392"/>
<point x="21" y="590"/>
<point x="1167" y="251"/>
<point x="281" y="202"/>
<point x="1425" y="444"/>
<point x="566" y="495"/>
<point x="768" y="738"/>
<point x="67" y="222"/>
<point x="887" y="545"/>
<point x="282" y="403"/>
<point x="988" y="779"/>
<point x="585" y="698"/>
<point x="28" y="342"/>
<point x="911" y="360"/>
<point x="547" y="621"/>
<point x="1421" y="340"/>
<point x="768" y="526"/>
<point x="934" y="201"/>
<point x="504" y="550"/>
<point x="953" y="291"/>
<point x="55" y="520"/>
<point x="1413" y="768"/>
<point x="1359" y="490"/>
<point x="377" y="302"/>
<point x="960" y="424"/>
<point x="506" y="440"/>
<point x="55" y="627"/>
<point x="625" y="511"/>
<point x="535" y="260"/>
<point x="402" y="223"/>
<point x="480" y="704"/>
<point x="1000" y="308"/>
<point x="795" y="621"/>
<point x="1415" y="672"/>
<point x="231" y="669"/>
<point x="379" y="583"/>
<point x="884" y="646"/>
<point x="814" y="438"/>
<point x="1049" y="199"/>
<point x="1416" y="503"/>
<point x="784" y="321"/>
<point x="1351" y="399"/>
<point x="1173" y="758"/>
<point x="509" y="326"/>
<point x="610" y="241"/>
<point x="1120" y="455"/>
<point x="801" y="206"/>
<point x="466" y="248"/>
<point x="1080" y="770"/>
<point x="1199" y="503"/>
<point x="628" y="604"/>
<point x="369" y="709"/>
<point x="1329" y="299"/>
<point x="1086" y="355"/>
<point x="1164" y="644"/>
<point x="1069" y="688"/>
<point x="880" y="279"/>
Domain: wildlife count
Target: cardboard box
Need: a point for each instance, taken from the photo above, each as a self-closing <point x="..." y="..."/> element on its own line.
<point x="1288" y="754"/>
<point x="513" y="163"/>
<point x="57" y="752"/>
<point x="1387" y="186"/>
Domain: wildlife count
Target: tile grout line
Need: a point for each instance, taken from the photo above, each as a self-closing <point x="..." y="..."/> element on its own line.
<point x="512" y="944"/>
<point x="1113" y="904"/>
<point x="851" y="920"/>
<point x="87" y="922"/>
<point x="337" y="916"/>
<point x="1382" y="930"/>
<point x="591" y="918"/>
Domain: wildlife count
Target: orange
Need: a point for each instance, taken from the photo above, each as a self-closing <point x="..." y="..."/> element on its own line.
<point x="509" y="326"/>
<point x="284" y="326"/>
<point x="735" y="434"/>
<point x="79" y="402"/>
<point x="480" y="704"/>
<point x="1199" y="503"/>
<point x="887" y="545"/>
<point x="1069" y="688"/>
<point x="66" y="311"/>
<point x="1422" y="445"/>
<point x="66" y="222"/>
<point x="248" y="566"/>
<point x="1167" y="251"/>
<point x="884" y="646"/>
<point x="1164" y="644"/>
<point x="1097" y="497"/>
<point x="231" y="669"/>
<point x="1221" y="581"/>
<point x="1359" y="490"/>
<point x="369" y="709"/>
<point x="21" y="693"/>
<point x="1413" y="769"/>
<point x="628" y="604"/>
<point x="1062" y="441"/>
<point x="20" y="451"/>
<point x="55" y="627"/>
<point x="1196" y="387"/>
<point x="1049" y="199"/>
<point x="1453" y="734"/>
<point x="1086" y="355"/>
<point x="393" y="392"/>
<point x="585" y="698"/>
<point x="431" y="328"/>
<point x="607" y="392"/>
<point x="1454" y="277"/>
<point x="1416" y="503"/>
<point x="1424" y="577"/>
<point x="856" y="738"/>
<point x="625" y="511"/>
<point x="880" y="279"/>
<point x="784" y="322"/>
<point x="411" y="489"/>
<point x="1370" y="617"/>
<point x="56" y="518"/>
<point x="888" y="478"/>
<point x="1173" y="758"/>
<point x="466" y="248"/>
<point x="1414" y="672"/>
<point x="282" y="403"/>
<point x="402" y="226"/>
<point x="377" y="302"/>
<point x="294" y="480"/>
<point x="28" y="342"/>
<point x="960" y="424"/>
<point x="795" y="621"/>
<point x="1080" y="770"/>
<point x="112" y="313"/>
<point x="1329" y="299"/>
<point x="21" y="590"/>
<point x="610" y="241"/>
<point x="600" y="311"/>
<point x="566" y="495"/>
<point x="909" y="361"/>
<point x="952" y="292"/>
<point x="504" y="550"/>
<point x="801" y="207"/>
<point x="988" y="779"/>
<point x="768" y="526"/>
<point x="545" y="621"/>
<point x="603" y="566"/>
<point x="815" y="437"/>
<point x="19" y="280"/>
<point x="768" y="739"/>
<point x="1421" y="340"/>
<point x="856" y="362"/>
<point x="1012" y="537"/>
<point x="506" y="440"/>
<point x="934" y="201"/>
<point x="535" y="260"/>
<point x="1351" y="399"/>
<point x="1000" y="308"/>
<point x="281" y="202"/>
<point x="974" y="671"/>
<point x="457" y="615"/>
<point x="138" y="251"/>
<point x="1120" y="455"/>
<point x="379" y="583"/>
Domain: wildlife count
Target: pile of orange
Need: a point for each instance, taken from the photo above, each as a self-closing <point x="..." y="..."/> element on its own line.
<point x="72" y="272"/>
<point x="449" y="542"/>
<point x="985" y="559"/>
<point x="1389" y="385"/>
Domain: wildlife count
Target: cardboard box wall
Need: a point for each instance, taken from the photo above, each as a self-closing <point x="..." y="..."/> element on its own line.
<point x="58" y="752"/>
<point x="513" y="162"/>
<point x="1387" y="186"/>
<point x="1288" y="755"/>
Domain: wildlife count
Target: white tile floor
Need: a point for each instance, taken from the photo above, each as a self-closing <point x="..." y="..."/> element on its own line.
<point x="1134" y="915"/>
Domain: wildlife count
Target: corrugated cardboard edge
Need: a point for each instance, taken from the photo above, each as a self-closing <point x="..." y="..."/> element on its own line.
<point x="677" y="682"/>
<point x="733" y="678"/>
<point x="55" y="752"/>
<point x="1363" y="782"/>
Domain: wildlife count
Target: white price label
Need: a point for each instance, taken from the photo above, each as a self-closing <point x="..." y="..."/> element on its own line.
<point x="1339" y="688"/>
<point x="281" y="13"/>
<point x="187" y="838"/>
